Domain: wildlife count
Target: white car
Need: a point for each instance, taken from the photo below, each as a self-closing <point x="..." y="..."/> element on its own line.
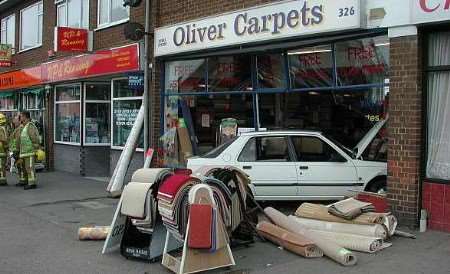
<point x="299" y="165"/>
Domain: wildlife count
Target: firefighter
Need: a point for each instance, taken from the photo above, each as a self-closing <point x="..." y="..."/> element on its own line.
<point x="14" y="151"/>
<point x="28" y="143"/>
<point x="3" y="148"/>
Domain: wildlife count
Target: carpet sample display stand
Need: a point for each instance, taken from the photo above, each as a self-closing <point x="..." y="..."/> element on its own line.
<point x="206" y="249"/>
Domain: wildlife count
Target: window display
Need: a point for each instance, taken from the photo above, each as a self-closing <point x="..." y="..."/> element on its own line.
<point x="68" y="114"/>
<point x="126" y="105"/>
<point x="97" y="114"/>
<point x="8" y="102"/>
<point x="271" y="71"/>
<point x="363" y="61"/>
<point x="230" y="73"/>
<point x="186" y="76"/>
<point x="311" y="67"/>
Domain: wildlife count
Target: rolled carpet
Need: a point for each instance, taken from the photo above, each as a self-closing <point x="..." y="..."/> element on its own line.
<point x="375" y="230"/>
<point x="94" y="233"/>
<point x="320" y="212"/>
<point x="353" y="242"/>
<point x="288" y="240"/>
<point x="330" y="249"/>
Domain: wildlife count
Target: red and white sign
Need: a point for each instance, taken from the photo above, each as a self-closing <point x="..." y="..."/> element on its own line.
<point x="70" y="39"/>
<point x="424" y="11"/>
<point x="103" y="62"/>
<point x="5" y="55"/>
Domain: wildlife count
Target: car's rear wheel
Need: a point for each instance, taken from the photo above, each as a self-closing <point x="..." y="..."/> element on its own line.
<point x="378" y="186"/>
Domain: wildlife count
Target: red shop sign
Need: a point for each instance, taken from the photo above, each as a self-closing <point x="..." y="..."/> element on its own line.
<point x="110" y="61"/>
<point x="70" y="39"/>
<point x="117" y="60"/>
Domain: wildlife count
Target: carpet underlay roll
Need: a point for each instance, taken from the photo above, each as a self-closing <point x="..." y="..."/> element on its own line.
<point x="94" y="233"/>
<point x="375" y="230"/>
<point x="320" y="212"/>
<point x="353" y="242"/>
<point x="149" y="175"/>
<point x="330" y="249"/>
<point x="288" y="240"/>
<point x="134" y="199"/>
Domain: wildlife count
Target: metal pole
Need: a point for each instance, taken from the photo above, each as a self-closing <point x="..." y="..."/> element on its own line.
<point x="147" y="102"/>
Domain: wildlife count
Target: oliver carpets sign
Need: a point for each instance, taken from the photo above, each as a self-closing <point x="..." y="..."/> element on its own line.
<point x="275" y="21"/>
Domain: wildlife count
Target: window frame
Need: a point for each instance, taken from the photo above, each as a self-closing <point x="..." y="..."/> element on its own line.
<point x="110" y="23"/>
<point x="16" y="103"/>
<point x="60" y="3"/>
<point x="291" y="154"/>
<point x="324" y="142"/>
<point x="79" y="101"/>
<point x="5" y="21"/>
<point x="114" y="99"/>
<point x="427" y="70"/>
<point x="88" y="101"/>
<point x="40" y="28"/>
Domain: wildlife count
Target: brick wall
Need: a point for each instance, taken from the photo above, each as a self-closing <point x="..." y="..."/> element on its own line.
<point x="404" y="126"/>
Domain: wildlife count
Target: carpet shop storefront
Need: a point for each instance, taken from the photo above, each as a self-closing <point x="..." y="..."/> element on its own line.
<point x="279" y="66"/>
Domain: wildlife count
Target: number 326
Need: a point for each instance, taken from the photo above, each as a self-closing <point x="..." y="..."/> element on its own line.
<point x="344" y="12"/>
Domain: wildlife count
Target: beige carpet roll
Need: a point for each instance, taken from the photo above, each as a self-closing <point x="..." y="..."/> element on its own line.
<point x="288" y="240"/>
<point x="353" y="242"/>
<point x="94" y="233"/>
<point x="330" y="249"/>
<point x="375" y="230"/>
<point x="148" y="175"/>
<point x="320" y="212"/>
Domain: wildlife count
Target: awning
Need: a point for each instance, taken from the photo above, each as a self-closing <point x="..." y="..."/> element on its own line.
<point x="35" y="91"/>
<point x="6" y="94"/>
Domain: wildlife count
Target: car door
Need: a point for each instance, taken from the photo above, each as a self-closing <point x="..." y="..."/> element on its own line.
<point x="269" y="162"/>
<point x="323" y="171"/>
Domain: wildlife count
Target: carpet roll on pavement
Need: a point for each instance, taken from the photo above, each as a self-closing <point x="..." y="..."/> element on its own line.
<point x="353" y="242"/>
<point x="93" y="233"/>
<point x="293" y="242"/>
<point x="375" y="230"/>
<point x="330" y="249"/>
<point x="320" y="212"/>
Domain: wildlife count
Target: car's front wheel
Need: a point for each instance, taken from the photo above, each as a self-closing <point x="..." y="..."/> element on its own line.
<point x="378" y="186"/>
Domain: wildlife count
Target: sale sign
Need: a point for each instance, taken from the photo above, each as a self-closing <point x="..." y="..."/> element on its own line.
<point x="71" y="39"/>
<point x="5" y="55"/>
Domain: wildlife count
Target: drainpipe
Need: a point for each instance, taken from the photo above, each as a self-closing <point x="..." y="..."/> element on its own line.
<point x="147" y="100"/>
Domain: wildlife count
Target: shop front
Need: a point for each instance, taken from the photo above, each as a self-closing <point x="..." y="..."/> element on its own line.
<point x="92" y="108"/>
<point x="278" y="66"/>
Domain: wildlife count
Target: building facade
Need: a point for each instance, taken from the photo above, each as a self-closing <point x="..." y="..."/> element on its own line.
<point x="336" y="66"/>
<point x="81" y="100"/>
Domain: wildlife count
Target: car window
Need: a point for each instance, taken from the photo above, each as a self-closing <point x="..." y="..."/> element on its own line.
<point x="268" y="149"/>
<point x="218" y="150"/>
<point x="313" y="149"/>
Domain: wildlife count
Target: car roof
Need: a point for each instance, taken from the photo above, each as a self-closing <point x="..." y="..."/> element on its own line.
<point x="281" y="132"/>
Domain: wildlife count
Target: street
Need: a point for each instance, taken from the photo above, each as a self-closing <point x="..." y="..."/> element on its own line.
<point x="38" y="234"/>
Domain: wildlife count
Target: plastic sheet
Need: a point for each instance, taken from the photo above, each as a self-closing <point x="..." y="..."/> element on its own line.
<point x="353" y="242"/>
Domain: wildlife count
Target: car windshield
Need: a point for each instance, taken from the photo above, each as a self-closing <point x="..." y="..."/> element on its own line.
<point x="348" y="151"/>
<point x="218" y="150"/>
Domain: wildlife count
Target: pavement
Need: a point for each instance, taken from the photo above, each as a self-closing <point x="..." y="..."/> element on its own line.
<point x="38" y="234"/>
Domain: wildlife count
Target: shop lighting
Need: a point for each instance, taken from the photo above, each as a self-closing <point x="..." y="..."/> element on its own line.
<point x="309" y="52"/>
<point x="313" y="93"/>
<point x="202" y="86"/>
<point x="382" y="44"/>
